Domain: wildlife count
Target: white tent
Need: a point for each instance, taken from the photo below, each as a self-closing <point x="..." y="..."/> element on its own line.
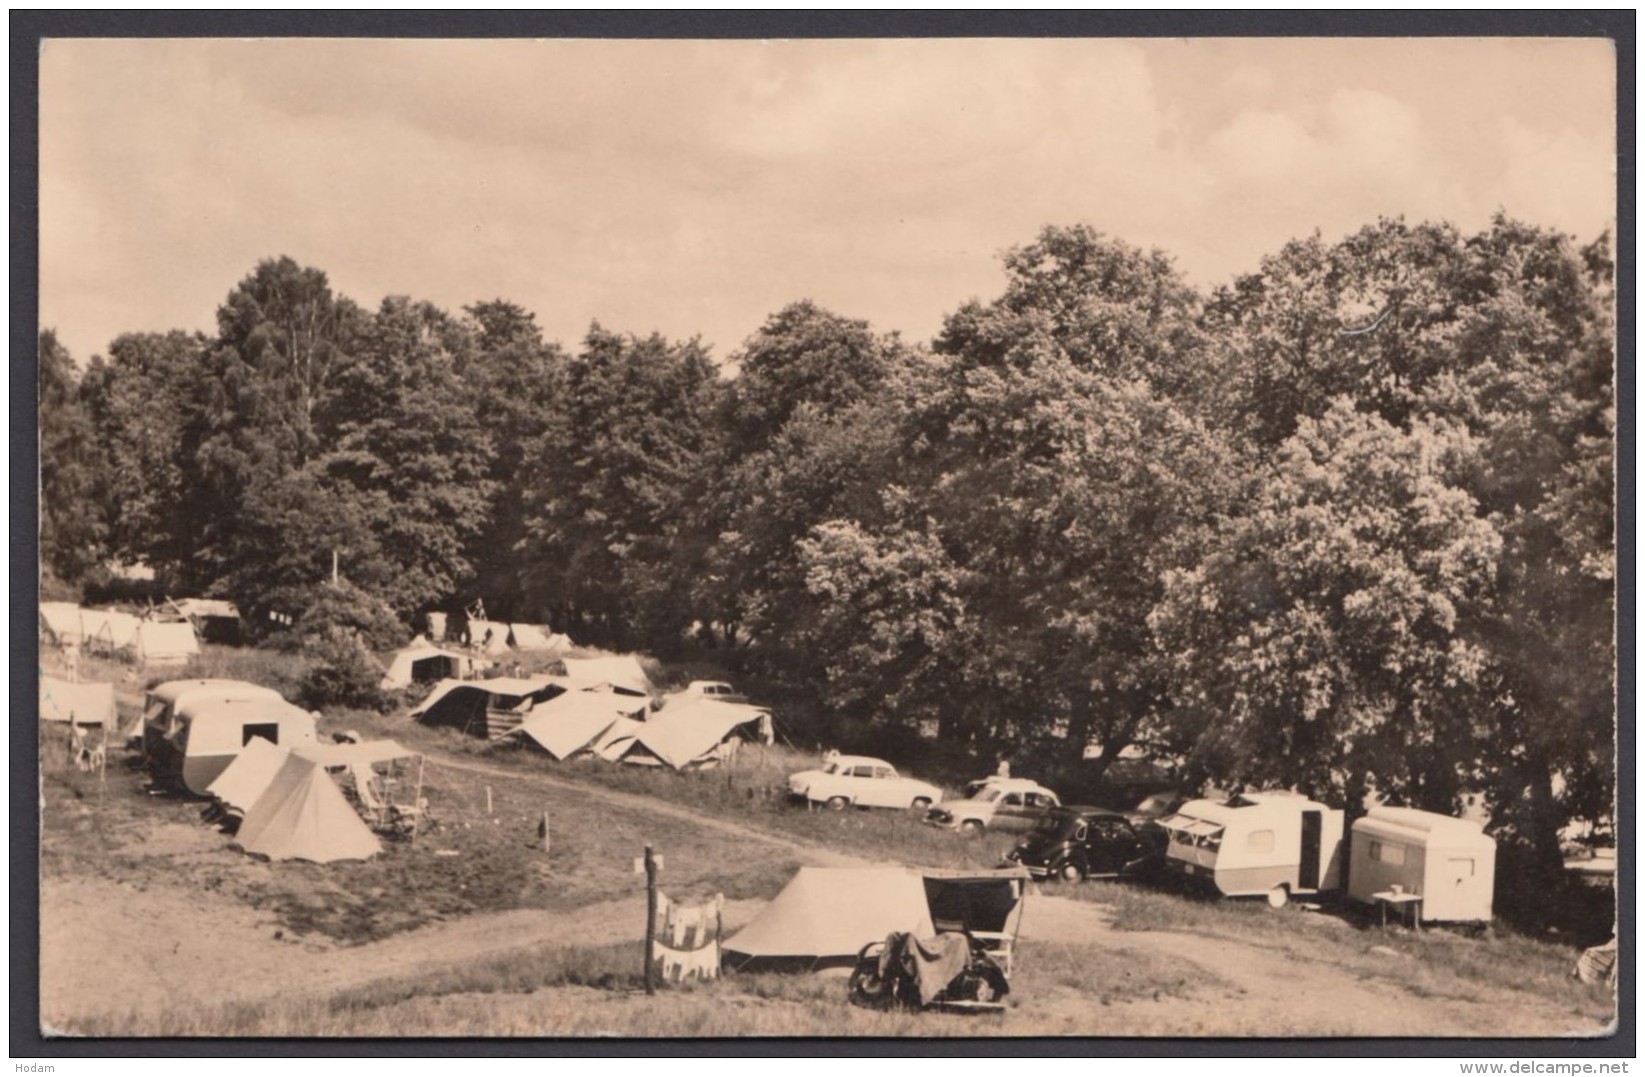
<point x="507" y="687"/>
<point x="477" y="706"/>
<point x="621" y="672"/>
<point x="690" y="732"/>
<point x="245" y="780"/>
<point x="531" y="637"/>
<point x="109" y="631"/>
<point x="302" y="815"/>
<point x="60" y="623"/>
<point x="568" y="724"/>
<point x="421" y="658"/>
<point x="166" y="644"/>
<point x="83" y="704"/>
<point x="826" y="915"/>
<point x="491" y="637"/>
<point x="617" y="739"/>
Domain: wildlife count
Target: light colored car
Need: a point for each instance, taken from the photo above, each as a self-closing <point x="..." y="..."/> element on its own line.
<point x="715" y="690"/>
<point x="998" y="803"/>
<point x="865" y="782"/>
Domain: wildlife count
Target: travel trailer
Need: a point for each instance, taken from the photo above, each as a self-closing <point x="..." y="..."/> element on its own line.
<point x="1277" y="845"/>
<point x="1450" y="864"/>
<point x="207" y="732"/>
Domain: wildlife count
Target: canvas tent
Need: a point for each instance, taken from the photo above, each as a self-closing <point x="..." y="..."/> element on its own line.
<point x="83" y="704"/>
<point x="617" y="738"/>
<point x="60" y="623"/>
<point x="693" y="732"/>
<point x="245" y="779"/>
<point x="825" y="916"/>
<point x="302" y="815"/>
<point x="570" y="724"/>
<point x="161" y="643"/>
<point x="622" y="672"/>
<point x="109" y="631"/>
<point x="491" y="637"/>
<point x="477" y="706"/>
<point x="422" y="661"/>
<point x="531" y="637"/>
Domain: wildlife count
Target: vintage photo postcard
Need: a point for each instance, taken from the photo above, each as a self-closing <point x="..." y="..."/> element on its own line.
<point x="904" y="537"/>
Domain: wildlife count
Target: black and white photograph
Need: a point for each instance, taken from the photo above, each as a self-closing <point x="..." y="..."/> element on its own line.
<point x="867" y="537"/>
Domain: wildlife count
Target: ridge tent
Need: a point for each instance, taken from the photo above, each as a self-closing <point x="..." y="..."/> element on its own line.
<point x="1450" y="863"/>
<point x="166" y="643"/>
<point x="622" y="672"/>
<point x="570" y="723"/>
<point x="469" y="705"/>
<point x="824" y="916"/>
<point x="691" y="732"/>
<point x="617" y="739"/>
<point x="83" y="704"/>
<point x="302" y="815"/>
<point x="109" y="631"/>
<point x="531" y="637"/>
<point x="422" y="661"/>
<point x="61" y="623"/>
<point x="245" y="779"/>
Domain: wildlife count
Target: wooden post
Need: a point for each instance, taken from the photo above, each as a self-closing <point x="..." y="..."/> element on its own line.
<point x="650" y="921"/>
<point x="542" y="831"/>
<point x="488" y="801"/>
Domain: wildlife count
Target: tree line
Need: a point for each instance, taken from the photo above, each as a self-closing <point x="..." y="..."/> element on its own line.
<point x="1344" y="523"/>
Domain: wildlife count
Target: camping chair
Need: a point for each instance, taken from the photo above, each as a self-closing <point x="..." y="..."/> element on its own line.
<point x="405" y="820"/>
<point x="376" y="811"/>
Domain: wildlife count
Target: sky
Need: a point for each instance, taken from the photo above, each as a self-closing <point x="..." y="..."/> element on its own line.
<point x="695" y="188"/>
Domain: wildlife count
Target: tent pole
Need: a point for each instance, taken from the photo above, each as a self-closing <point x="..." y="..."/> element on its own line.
<point x="417" y="798"/>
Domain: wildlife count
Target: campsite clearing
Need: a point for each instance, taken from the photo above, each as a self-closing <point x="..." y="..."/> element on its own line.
<point x="473" y="930"/>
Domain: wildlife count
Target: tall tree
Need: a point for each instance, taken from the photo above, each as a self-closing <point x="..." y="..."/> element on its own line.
<point x="72" y="526"/>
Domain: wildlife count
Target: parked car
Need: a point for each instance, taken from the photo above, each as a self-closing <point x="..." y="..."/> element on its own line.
<point x="865" y="782"/>
<point x="719" y="690"/>
<point x="1000" y="803"/>
<point x="1078" y="842"/>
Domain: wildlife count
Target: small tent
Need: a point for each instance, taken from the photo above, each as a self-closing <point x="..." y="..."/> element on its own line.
<point x="470" y="705"/>
<point x="109" y="631"/>
<point x="621" y="672"/>
<point x="244" y="780"/>
<point x="691" y="732"/>
<point x="824" y="916"/>
<point x="302" y="815"/>
<point x="571" y="723"/>
<point x="160" y="643"/>
<point x="83" y="704"/>
<point x="531" y="637"/>
<point x="1450" y="863"/>
<point x="422" y="661"/>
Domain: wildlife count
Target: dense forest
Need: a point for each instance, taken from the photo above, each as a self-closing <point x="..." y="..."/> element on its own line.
<point x="1344" y="523"/>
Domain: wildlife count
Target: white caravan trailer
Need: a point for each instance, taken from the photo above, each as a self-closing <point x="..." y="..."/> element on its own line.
<point x="1276" y="845"/>
<point x="1449" y="863"/>
<point x="206" y="732"/>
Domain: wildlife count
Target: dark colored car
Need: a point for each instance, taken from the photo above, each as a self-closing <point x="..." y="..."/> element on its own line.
<point x="1078" y="842"/>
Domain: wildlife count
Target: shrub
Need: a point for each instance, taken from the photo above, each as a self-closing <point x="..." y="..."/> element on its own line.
<point x="322" y="608"/>
<point x="343" y="674"/>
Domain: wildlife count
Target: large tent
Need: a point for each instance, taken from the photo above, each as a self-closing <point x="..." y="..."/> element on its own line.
<point x="109" y="631"/>
<point x="691" y="731"/>
<point x="622" y="672"/>
<point x="826" y="915"/>
<point x="571" y="723"/>
<point x="422" y="661"/>
<point x="83" y="704"/>
<point x="617" y="739"/>
<point x="302" y="815"/>
<point x="467" y="705"/>
<point x="244" y="780"/>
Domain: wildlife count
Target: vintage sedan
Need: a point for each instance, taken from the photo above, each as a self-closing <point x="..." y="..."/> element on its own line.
<point x="995" y="803"/>
<point x="856" y="780"/>
<point x="1073" y="843"/>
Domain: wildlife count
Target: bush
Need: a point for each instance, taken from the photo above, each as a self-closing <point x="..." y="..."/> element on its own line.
<point x="343" y="674"/>
<point x="325" y="608"/>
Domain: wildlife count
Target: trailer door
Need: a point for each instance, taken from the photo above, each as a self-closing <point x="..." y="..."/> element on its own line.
<point x="1308" y="871"/>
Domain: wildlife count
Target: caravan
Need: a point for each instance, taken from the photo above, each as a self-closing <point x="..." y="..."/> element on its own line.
<point x="1446" y="865"/>
<point x="194" y="739"/>
<point x="1276" y="845"/>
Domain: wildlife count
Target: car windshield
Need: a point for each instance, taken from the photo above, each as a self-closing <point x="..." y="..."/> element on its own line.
<point x="988" y="796"/>
<point x="1055" y="824"/>
<point x="832" y="768"/>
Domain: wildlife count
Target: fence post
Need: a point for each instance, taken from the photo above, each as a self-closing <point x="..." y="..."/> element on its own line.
<point x="650" y="921"/>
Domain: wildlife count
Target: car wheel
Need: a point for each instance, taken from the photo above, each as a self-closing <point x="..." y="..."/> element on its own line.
<point x="971" y="826"/>
<point x="838" y="803"/>
<point x="1070" y="872"/>
<point x="1279" y="896"/>
<point x="922" y="804"/>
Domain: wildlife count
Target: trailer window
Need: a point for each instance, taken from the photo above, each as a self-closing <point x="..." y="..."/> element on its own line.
<point x="1260" y="841"/>
<point x="1387" y="853"/>
<point x="269" y="731"/>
